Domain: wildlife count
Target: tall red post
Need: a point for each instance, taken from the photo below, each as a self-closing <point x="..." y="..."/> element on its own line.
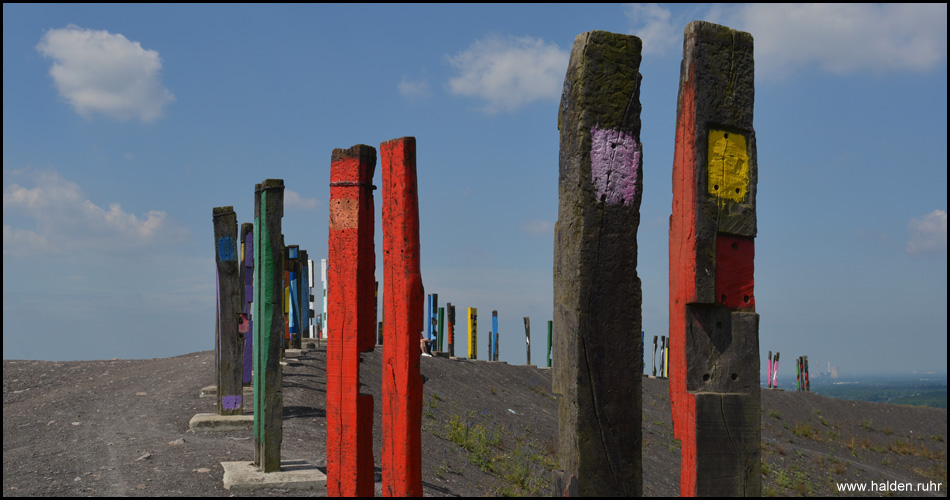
<point x="713" y="345"/>
<point x="352" y="271"/>
<point x="403" y="309"/>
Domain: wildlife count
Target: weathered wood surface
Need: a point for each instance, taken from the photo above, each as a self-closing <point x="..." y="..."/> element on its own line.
<point x="597" y="364"/>
<point x="404" y="295"/>
<point x="268" y="324"/>
<point x="228" y="339"/>
<point x="352" y="270"/>
<point x="472" y="333"/>
<point x="713" y="361"/>
<point x="451" y="328"/>
<point x="247" y="298"/>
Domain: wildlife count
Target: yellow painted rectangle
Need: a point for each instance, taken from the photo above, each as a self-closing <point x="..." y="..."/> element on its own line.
<point x="728" y="166"/>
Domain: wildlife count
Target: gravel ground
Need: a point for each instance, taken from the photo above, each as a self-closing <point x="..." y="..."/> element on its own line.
<point x="120" y="428"/>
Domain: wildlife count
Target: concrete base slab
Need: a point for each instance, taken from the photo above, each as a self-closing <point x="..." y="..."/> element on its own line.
<point x="294" y="353"/>
<point x="212" y="422"/>
<point x="211" y="391"/>
<point x="293" y="474"/>
<point x="442" y="354"/>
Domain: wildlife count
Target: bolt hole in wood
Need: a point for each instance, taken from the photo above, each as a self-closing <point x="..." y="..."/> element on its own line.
<point x="716" y="187"/>
<point x="706" y="377"/>
<point x="735" y="246"/>
<point x="724" y="299"/>
<point x="745" y="298"/>
<point x="735" y="376"/>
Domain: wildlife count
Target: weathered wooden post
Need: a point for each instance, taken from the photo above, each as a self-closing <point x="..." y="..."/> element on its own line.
<point x="432" y="319"/>
<point x="292" y="286"/>
<point x="323" y="315"/>
<point x="228" y="339"/>
<point x="491" y="336"/>
<point x="494" y="326"/>
<point x="550" y="332"/>
<point x="247" y="298"/>
<point x="714" y="346"/>
<point x="303" y="297"/>
<point x="402" y="378"/>
<point x="527" y="339"/>
<point x="268" y="323"/>
<point x="768" y="377"/>
<point x="451" y="328"/>
<point x="472" y="332"/>
<point x="654" y="355"/>
<point x="352" y="268"/>
<point x="775" y="371"/>
<point x="595" y="262"/>
<point x="441" y="329"/>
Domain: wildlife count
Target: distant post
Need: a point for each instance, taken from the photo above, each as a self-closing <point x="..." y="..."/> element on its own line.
<point x="451" y="328"/>
<point x="714" y="340"/>
<point x="550" y="328"/>
<point x="441" y="328"/>
<point x="472" y="332"/>
<point x="303" y="297"/>
<point x="228" y="341"/>
<point x="775" y="371"/>
<point x="404" y="295"/>
<point x="352" y="256"/>
<point x="268" y="323"/>
<point x="527" y="339"/>
<point x="323" y="314"/>
<point x="595" y="262"/>
<point x="247" y="298"/>
<point x="654" y="355"/>
<point x="494" y="327"/>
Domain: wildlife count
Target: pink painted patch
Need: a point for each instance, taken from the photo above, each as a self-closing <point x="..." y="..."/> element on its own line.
<point x="615" y="165"/>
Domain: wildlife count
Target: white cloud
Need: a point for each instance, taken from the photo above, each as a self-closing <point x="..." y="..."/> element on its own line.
<point x="99" y="72"/>
<point x="293" y="201"/>
<point x="537" y="226"/>
<point x="413" y="89"/>
<point x="841" y="38"/>
<point x="655" y="26"/>
<point x="509" y="72"/>
<point x="67" y="222"/>
<point x="928" y="235"/>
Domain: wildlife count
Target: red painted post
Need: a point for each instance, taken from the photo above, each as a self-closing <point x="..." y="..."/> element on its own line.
<point x="352" y="271"/>
<point x="713" y="344"/>
<point x="403" y="308"/>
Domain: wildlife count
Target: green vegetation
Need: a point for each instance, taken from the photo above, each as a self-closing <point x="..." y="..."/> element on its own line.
<point x="496" y="451"/>
<point x="804" y="430"/>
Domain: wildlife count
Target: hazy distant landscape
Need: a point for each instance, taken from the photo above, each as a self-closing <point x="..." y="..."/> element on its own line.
<point x="915" y="390"/>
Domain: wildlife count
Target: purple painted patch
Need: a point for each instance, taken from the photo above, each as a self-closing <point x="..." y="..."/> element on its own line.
<point x="231" y="402"/>
<point x="615" y="164"/>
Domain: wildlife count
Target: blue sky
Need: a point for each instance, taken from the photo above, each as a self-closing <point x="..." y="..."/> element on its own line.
<point x="124" y="125"/>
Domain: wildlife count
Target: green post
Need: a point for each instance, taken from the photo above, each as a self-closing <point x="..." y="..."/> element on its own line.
<point x="441" y="327"/>
<point x="268" y="324"/>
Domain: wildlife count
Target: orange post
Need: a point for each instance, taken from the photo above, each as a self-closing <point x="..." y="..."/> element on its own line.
<point x="352" y="271"/>
<point x="403" y="308"/>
